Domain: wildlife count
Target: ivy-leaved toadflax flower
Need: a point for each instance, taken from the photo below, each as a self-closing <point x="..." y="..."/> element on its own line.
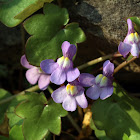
<point x="101" y="85"/>
<point x="62" y="70"/>
<point x="34" y="74"/>
<point x="131" y="42"/>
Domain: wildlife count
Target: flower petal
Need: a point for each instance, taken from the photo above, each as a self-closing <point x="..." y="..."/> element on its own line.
<point x="72" y="74"/>
<point x="69" y="103"/>
<point x="130" y="26"/>
<point x="25" y="63"/>
<point x="94" y="92"/>
<point x="59" y="95"/>
<point x="69" y="50"/>
<point x="108" y="68"/>
<point x="58" y="77"/>
<point x="81" y="99"/>
<point x="135" y="50"/>
<point x="44" y="81"/>
<point x="48" y="66"/>
<point x="86" y="79"/>
<point x="106" y="92"/>
<point x="124" y="48"/>
<point x="32" y="75"/>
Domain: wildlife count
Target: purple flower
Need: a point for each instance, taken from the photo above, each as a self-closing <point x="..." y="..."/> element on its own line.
<point x="62" y="69"/>
<point x="34" y="74"/>
<point x="131" y="42"/>
<point x="101" y="85"/>
<point x="70" y="96"/>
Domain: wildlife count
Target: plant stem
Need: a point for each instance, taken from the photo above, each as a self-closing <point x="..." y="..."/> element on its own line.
<point x="74" y="123"/>
<point x="34" y="88"/>
<point x="50" y="89"/>
<point x="100" y="59"/>
<point x="123" y="64"/>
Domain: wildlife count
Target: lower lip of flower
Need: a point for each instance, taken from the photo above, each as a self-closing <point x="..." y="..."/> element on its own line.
<point x="71" y="89"/>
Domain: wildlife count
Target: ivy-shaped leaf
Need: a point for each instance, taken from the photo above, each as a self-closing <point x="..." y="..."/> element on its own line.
<point x="16" y="133"/>
<point x="136" y="20"/>
<point x="117" y="115"/>
<point x="13" y="12"/>
<point x="48" y="33"/>
<point x="13" y="118"/>
<point x="3" y="107"/>
<point x="40" y="116"/>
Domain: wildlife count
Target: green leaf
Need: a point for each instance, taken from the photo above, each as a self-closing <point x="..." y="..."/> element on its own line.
<point x="13" y="12"/>
<point x="48" y="34"/>
<point x="136" y="20"/>
<point x="3" y="138"/>
<point x="3" y="107"/>
<point x="16" y="133"/>
<point x="117" y="115"/>
<point x="39" y="117"/>
<point x="13" y="118"/>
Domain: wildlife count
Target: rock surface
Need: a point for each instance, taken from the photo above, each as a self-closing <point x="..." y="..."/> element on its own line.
<point x="105" y="18"/>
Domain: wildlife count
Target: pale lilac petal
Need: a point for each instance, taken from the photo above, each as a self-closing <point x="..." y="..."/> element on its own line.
<point x="135" y="50"/>
<point x="124" y="48"/>
<point x="44" y="81"/>
<point x="81" y="99"/>
<point x="93" y="92"/>
<point x="108" y="68"/>
<point x="32" y="75"/>
<point x="106" y="92"/>
<point x="130" y="27"/>
<point x="25" y="63"/>
<point x="86" y="79"/>
<point x="72" y="74"/>
<point x="48" y="66"/>
<point x="69" y="50"/>
<point x="58" y="77"/>
<point x="69" y="103"/>
<point x="59" y="94"/>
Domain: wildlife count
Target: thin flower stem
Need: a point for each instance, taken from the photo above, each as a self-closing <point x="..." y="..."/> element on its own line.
<point x="34" y="88"/>
<point x="123" y="64"/>
<point x="100" y="59"/>
<point x="74" y="123"/>
<point x="50" y="89"/>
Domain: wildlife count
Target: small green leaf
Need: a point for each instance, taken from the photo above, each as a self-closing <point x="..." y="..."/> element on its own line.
<point x="39" y="117"/>
<point x="3" y="107"/>
<point x="134" y="137"/>
<point x="13" y="12"/>
<point x="136" y="20"/>
<point x="16" y="133"/>
<point x="117" y="115"/>
<point x="48" y="34"/>
<point x="13" y="118"/>
<point x="125" y="137"/>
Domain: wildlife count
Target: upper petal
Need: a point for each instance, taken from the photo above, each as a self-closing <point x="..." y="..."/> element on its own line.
<point x="106" y="92"/>
<point x="32" y="75"/>
<point x="124" y="48"/>
<point x="130" y="26"/>
<point x="72" y="74"/>
<point x="86" y="79"/>
<point x="69" y="50"/>
<point x="58" y="77"/>
<point x="93" y="92"/>
<point x="44" y="81"/>
<point x="69" y="103"/>
<point x="81" y="99"/>
<point x="25" y="63"/>
<point x="48" y="66"/>
<point x="135" y="50"/>
<point x="59" y="95"/>
<point x="108" y="68"/>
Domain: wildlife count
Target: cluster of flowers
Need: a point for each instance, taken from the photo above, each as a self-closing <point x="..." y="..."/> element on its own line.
<point x="58" y="72"/>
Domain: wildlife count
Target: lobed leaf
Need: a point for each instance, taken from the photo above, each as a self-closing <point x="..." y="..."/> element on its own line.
<point x="13" y="12"/>
<point x="40" y="118"/>
<point x="48" y="34"/>
<point x="136" y="20"/>
<point x="117" y="115"/>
